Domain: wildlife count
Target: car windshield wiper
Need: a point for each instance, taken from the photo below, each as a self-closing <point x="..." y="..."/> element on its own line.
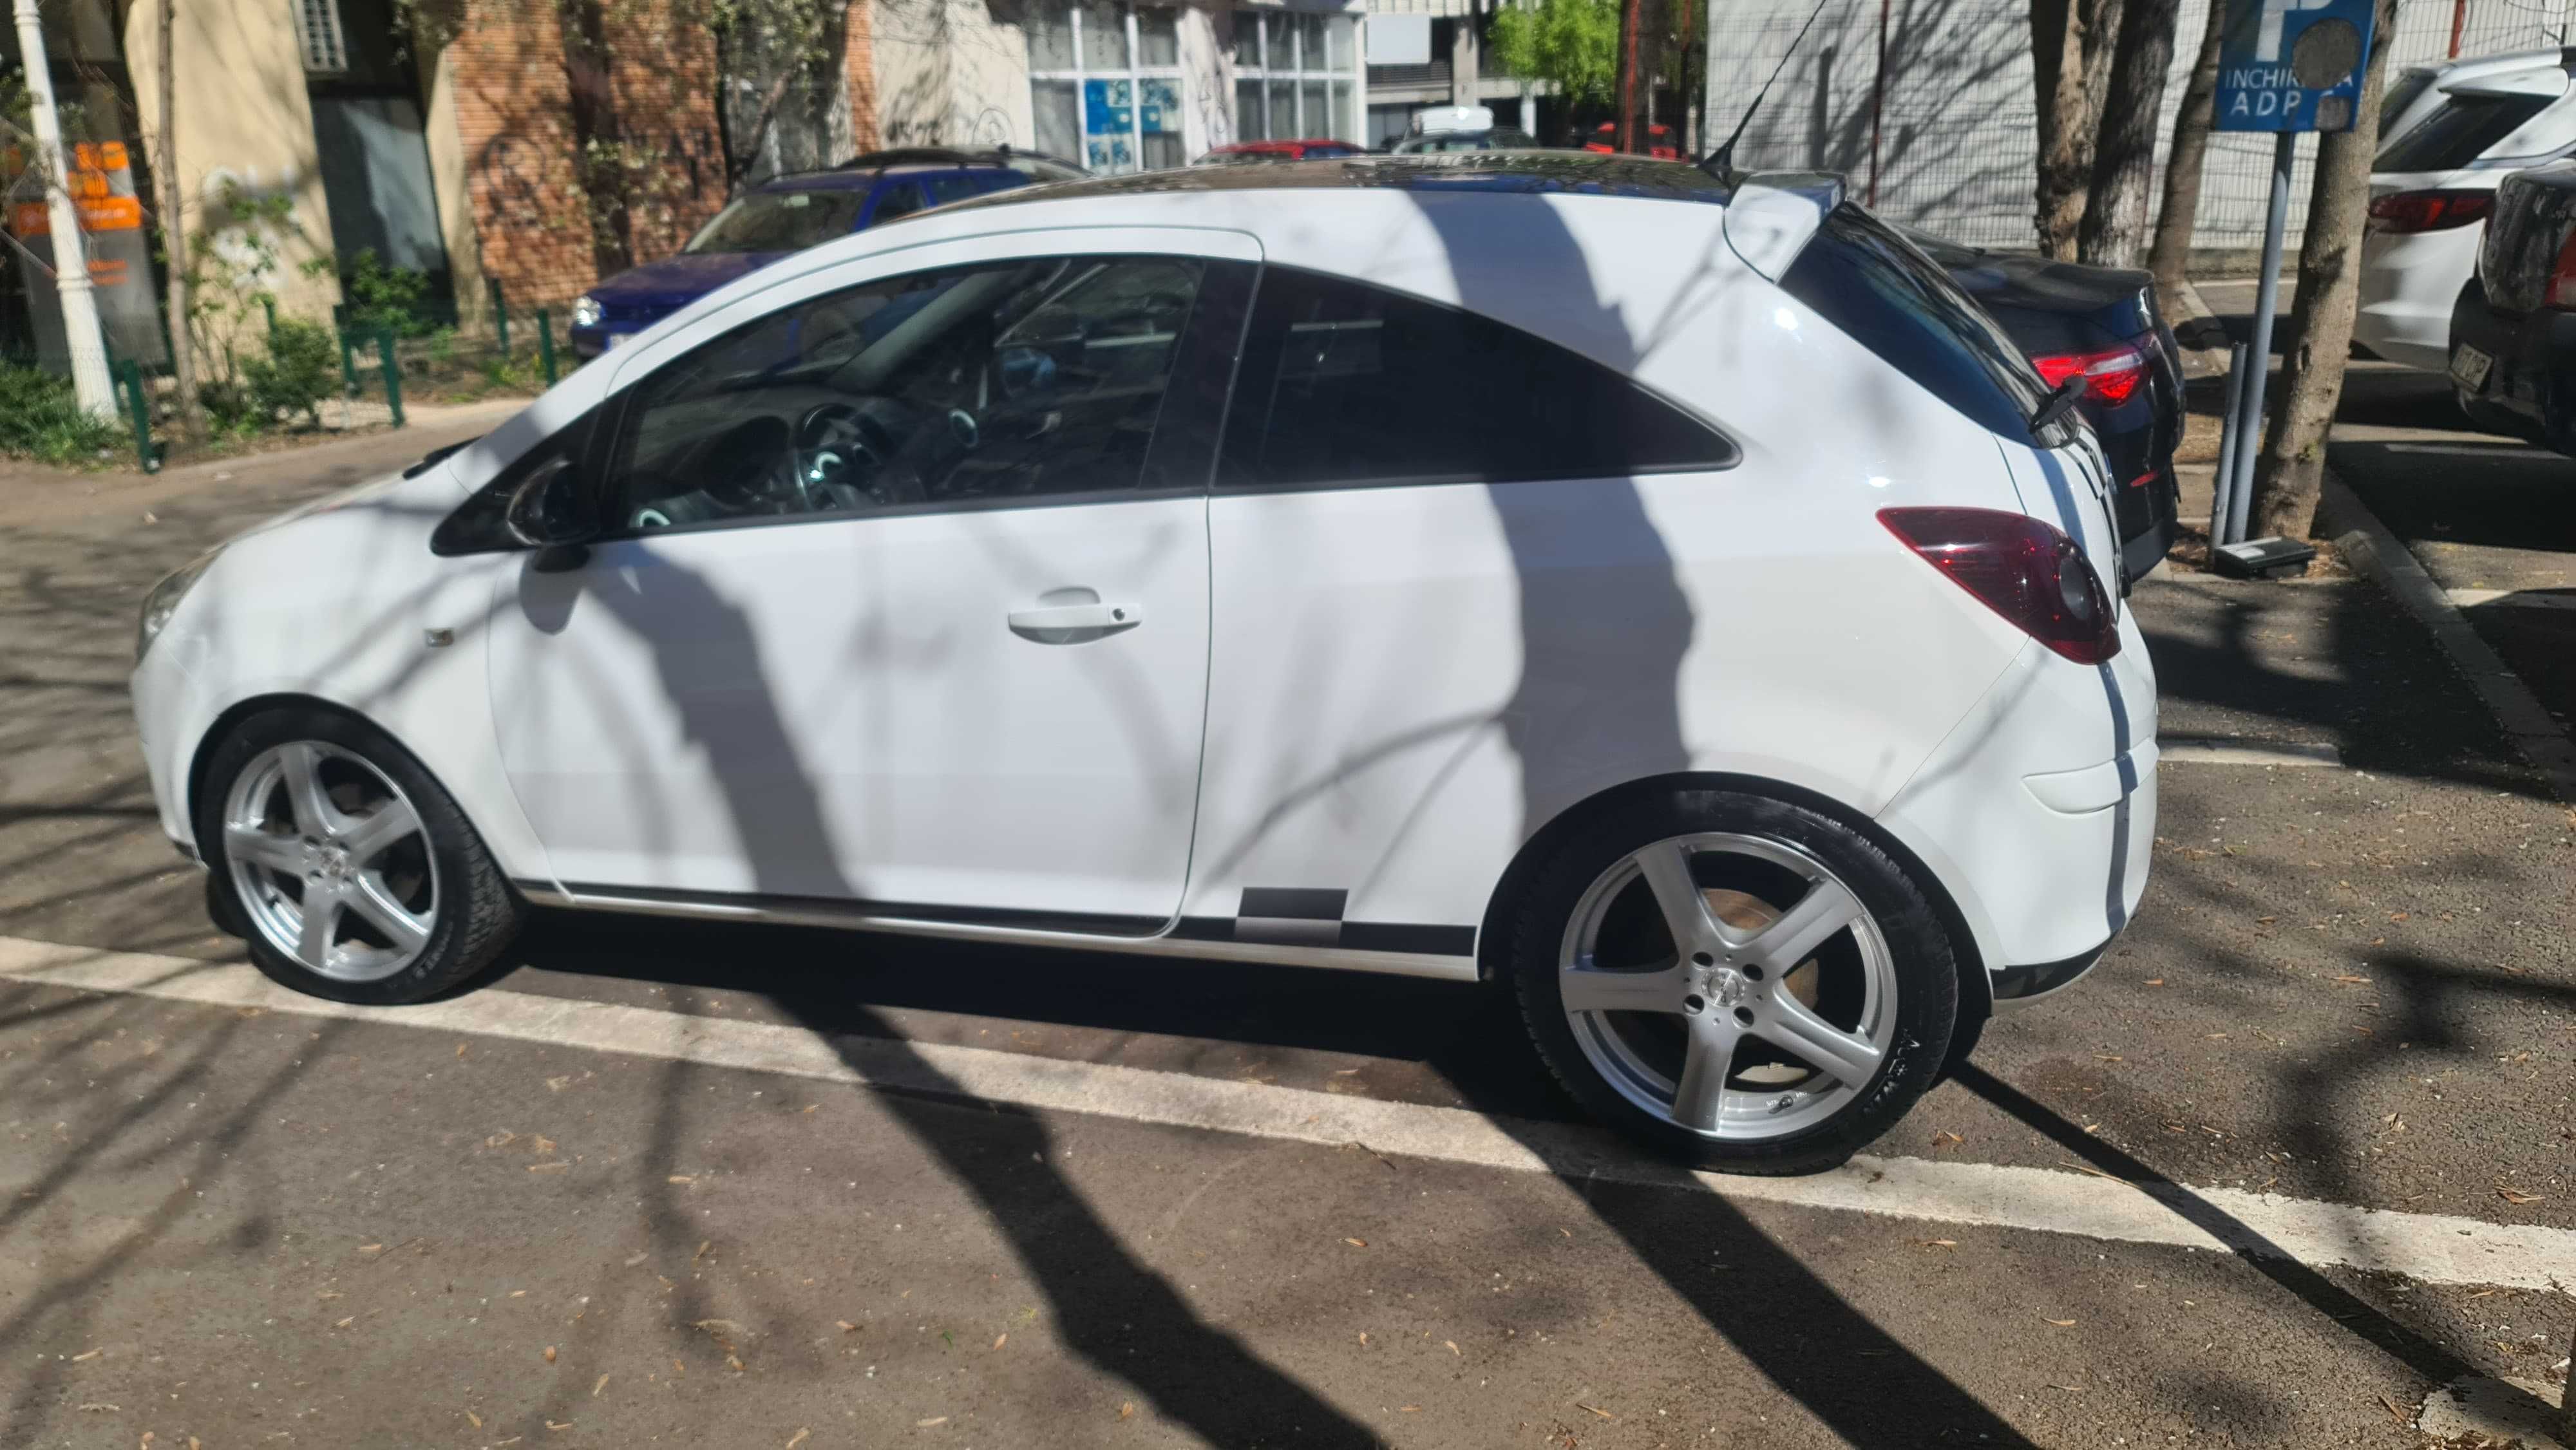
<point x="2060" y="401"/>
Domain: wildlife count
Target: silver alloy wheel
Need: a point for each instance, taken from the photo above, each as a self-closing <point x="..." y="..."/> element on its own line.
<point x="331" y="861"/>
<point x="1785" y="1007"/>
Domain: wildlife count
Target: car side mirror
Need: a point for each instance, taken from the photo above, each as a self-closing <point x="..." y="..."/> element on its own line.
<point x="548" y="513"/>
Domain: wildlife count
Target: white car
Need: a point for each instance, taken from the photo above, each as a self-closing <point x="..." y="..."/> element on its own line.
<point x="2452" y="133"/>
<point x="1574" y="571"/>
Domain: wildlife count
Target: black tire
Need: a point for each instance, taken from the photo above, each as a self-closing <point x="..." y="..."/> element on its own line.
<point x="475" y="914"/>
<point x="1919" y="950"/>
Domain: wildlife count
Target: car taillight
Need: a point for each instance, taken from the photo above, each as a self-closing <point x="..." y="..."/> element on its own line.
<point x="2429" y="211"/>
<point x="2111" y="376"/>
<point x="2020" y="568"/>
<point x="2562" y="275"/>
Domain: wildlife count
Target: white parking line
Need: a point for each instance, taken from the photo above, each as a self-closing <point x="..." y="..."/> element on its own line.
<point x="2216" y="750"/>
<point x="2430" y="1248"/>
<point x="2510" y="598"/>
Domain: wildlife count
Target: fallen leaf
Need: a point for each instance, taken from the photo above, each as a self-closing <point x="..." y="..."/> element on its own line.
<point x="558" y="1084"/>
<point x="2349" y="977"/>
<point x="1945" y="1139"/>
<point x="1453" y="1348"/>
<point x="846" y="1326"/>
<point x="1938" y="1243"/>
<point x="595" y="1389"/>
<point x="1363" y="1339"/>
<point x="1604" y="1414"/>
<point x="2110" y="1057"/>
<point x="1356" y="1243"/>
<point x="553" y="1425"/>
<point x="998" y="1338"/>
<point x="2060" y="1323"/>
<point x="477" y="1420"/>
<point x="557" y="1166"/>
<point x="800" y="1437"/>
<point x="933" y="1420"/>
<point x="2398" y="915"/>
<point x="1126" y="1409"/>
<point x="809" y="1107"/>
<point x="345" y="1323"/>
<point x="681" y="1178"/>
<point x="93" y="1354"/>
<point x="2516" y="1196"/>
<point x="1408" y="1409"/>
<point x="550" y="1354"/>
<point x="371" y="1248"/>
<point x="544" y="1145"/>
<point x="2155" y="981"/>
<point x="100" y="1407"/>
<point x="637" y="1258"/>
<point x="460" y="1049"/>
<point x="703" y="1246"/>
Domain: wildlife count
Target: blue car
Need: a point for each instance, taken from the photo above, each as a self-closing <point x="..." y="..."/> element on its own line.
<point x="788" y="214"/>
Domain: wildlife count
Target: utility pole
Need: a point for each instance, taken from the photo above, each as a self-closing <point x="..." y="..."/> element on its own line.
<point x="71" y="260"/>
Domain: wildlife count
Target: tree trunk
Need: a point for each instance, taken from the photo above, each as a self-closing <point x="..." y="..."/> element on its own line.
<point x="174" y="233"/>
<point x="1624" y="135"/>
<point x="2070" y="67"/>
<point x="2124" y="151"/>
<point x="2291" y="471"/>
<point x="2170" y="258"/>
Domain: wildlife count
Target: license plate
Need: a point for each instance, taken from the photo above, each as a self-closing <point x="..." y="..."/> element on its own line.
<point x="2469" y="367"/>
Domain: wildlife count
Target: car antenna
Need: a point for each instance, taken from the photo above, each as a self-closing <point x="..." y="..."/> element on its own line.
<point x="1722" y="160"/>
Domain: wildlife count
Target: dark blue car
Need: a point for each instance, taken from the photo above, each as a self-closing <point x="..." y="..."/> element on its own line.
<point x="788" y="214"/>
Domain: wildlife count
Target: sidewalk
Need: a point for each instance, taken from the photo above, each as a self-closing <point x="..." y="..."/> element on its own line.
<point x="32" y="494"/>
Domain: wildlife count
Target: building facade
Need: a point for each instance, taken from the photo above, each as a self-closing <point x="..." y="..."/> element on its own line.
<point x="1113" y="86"/>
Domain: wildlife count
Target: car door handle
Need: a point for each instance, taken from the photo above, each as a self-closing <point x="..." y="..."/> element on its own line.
<point x="1074" y="623"/>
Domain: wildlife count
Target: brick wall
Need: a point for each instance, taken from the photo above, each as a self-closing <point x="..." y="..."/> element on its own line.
<point x="521" y="135"/>
<point x="514" y="118"/>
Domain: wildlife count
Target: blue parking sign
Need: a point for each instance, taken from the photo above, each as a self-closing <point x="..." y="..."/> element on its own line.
<point x="2293" y="65"/>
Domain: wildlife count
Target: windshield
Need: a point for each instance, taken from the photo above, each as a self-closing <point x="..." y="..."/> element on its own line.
<point x="780" y="221"/>
<point x="2459" y="133"/>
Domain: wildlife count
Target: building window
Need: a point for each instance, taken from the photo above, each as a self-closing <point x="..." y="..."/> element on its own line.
<point x="317" y="26"/>
<point x="1293" y="76"/>
<point x="1105" y="83"/>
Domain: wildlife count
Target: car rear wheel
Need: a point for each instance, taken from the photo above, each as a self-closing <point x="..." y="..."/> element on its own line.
<point x="343" y="865"/>
<point x="1742" y="982"/>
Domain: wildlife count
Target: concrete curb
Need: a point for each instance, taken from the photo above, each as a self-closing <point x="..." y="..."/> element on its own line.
<point x="2374" y="551"/>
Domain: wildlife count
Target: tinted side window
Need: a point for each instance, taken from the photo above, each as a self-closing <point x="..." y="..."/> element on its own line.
<point x="1343" y="383"/>
<point x="2459" y="133"/>
<point x="1869" y="282"/>
<point x="1008" y="381"/>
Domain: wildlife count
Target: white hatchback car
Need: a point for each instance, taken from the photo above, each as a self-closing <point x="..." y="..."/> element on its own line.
<point x="2452" y="133"/>
<point x="1647" y="590"/>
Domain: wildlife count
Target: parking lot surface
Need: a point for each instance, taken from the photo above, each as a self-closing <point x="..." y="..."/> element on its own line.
<point x="659" y="1184"/>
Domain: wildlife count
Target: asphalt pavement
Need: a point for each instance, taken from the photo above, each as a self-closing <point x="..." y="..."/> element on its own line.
<point x="758" y="1187"/>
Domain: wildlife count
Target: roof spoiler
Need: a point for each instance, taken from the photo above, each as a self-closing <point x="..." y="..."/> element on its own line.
<point x="1773" y="213"/>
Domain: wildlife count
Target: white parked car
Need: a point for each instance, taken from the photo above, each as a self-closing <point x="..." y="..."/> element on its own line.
<point x="2450" y="134"/>
<point x="1573" y="571"/>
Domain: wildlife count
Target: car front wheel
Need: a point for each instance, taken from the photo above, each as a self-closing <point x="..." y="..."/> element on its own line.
<point x="1744" y="983"/>
<point x="349" y="872"/>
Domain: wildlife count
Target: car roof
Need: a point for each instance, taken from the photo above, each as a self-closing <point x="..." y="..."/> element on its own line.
<point x="1518" y="172"/>
<point x="2475" y="67"/>
<point x="867" y="176"/>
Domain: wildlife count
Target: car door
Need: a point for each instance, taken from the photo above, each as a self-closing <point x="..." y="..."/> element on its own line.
<point x="1444" y="612"/>
<point x="902" y="599"/>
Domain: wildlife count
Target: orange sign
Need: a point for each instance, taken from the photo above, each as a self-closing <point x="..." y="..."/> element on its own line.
<point x="97" y="214"/>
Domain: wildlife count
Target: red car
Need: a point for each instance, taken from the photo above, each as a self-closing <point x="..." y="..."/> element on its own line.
<point x="1661" y="144"/>
<point x="1242" y="152"/>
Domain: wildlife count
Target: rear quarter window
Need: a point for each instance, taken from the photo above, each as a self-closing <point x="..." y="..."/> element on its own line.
<point x="1880" y="290"/>
<point x="2459" y="133"/>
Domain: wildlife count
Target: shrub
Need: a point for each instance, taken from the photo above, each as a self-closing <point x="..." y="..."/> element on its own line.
<point x="41" y="418"/>
<point x="301" y="369"/>
<point x="386" y="299"/>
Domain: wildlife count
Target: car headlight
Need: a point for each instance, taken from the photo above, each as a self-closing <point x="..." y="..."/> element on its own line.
<point x="164" y="599"/>
<point x="586" y="312"/>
